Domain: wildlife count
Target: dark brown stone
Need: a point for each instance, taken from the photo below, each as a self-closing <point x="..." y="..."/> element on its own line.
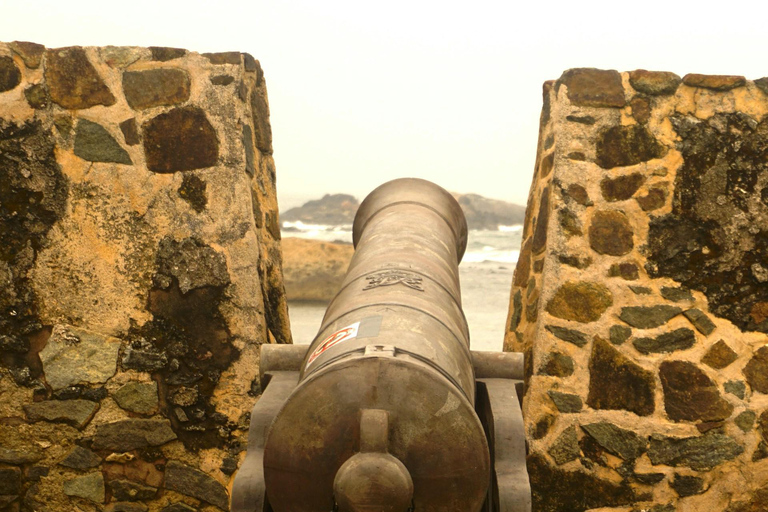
<point x="30" y="53"/>
<point x="653" y="200"/>
<point x="192" y="190"/>
<point x="588" y="87"/>
<point x="685" y="485"/>
<point x="719" y="356"/>
<point x="578" y="194"/>
<point x="570" y="223"/>
<point x="180" y="140"/>
<point x="574" y="261"/>
<point x="223" y="57"/>
<point x="625" y="270"/>
<point x="541" y="429"/>
<point x="546" y="91"/>
<point x="261" y="127"/>
<point x="558" y="365"/>
<point x="641" y="109"/>
<point x="163" y="54"/>
<point x="126" y="435"/>
<point x="679" y="339"/>
<point x="574" y="491"/>
<point x="714" y="82"/>
<point x="620" y="146"/>
<point x="578" y="156"/>
<point x="654" y="82"/>
<point x="763" y="425"/>
<point x="542" y="223"/>
<point x="756" y="371"/>
<point x="580" y="301"/>
<point x="538" y="266"/>
<point x="622" y="187"/>
<point x="689" y="395"/>
<point x="130" y="131"/>
<point x="126" y="490"/>
<point x="222" y="79"/>
<point x="10" y="75"/>
<point x="648" y="317"/>
<point x="610" y="233"/>
<point x="618" y="383"/>
<point x="516" y="313"/>
<point x="37" y="96"/>
<point x="640" y="290"/>
<point x="523" y="268"/>
<point x="73" y="82"/>
<point x="587" y="120"/>
<point x="700" y="320"/>
<point x="155" y="87"/>
<point x="547" y="163"/>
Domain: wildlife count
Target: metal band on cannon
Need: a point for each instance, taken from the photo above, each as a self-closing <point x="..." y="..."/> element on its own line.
<point x="379" y="414"/>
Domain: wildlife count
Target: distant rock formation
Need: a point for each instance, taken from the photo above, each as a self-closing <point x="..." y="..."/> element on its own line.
<point x="484" y="213"/>
<point x="339" y="209"/>
<point x="312" y="269"/>
<point x="331" y="209"/>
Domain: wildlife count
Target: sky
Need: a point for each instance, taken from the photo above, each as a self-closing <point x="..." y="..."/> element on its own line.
<point x="364" y="92"/>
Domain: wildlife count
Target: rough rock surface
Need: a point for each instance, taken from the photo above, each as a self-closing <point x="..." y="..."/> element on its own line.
<point x="314" y="270"/>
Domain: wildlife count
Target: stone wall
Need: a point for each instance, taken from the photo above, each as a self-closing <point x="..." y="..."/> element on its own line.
<point x="641" y="294"/>
<point x="140" y="270"/>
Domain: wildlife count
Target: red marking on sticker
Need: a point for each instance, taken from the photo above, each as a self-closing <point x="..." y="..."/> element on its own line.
<point x="334" y="339"/>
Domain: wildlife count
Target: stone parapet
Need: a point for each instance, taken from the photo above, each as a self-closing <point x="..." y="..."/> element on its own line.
<point x="641" y="295"/>
<point x="140" y="270"/>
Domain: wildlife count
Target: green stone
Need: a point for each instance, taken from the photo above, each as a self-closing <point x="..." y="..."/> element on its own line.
<point x="618" y="441"/>
<point x="139" y="397"/>
<point x="619" y="334"/>
<point x="746" y="420"/>
<point x="566" y="447"/>
<point x="700" y="320"/>
<point x="95" y="144"/>
<point x="654" y="82"/>
<point x="700" y="453"/>
<point x="570" y="335"/>
<point x="156" y="87"/>
<point x="679" y="339"/>
<point x="90" y="487"/>
<point x="676" y="294"/>
<point x="648" y="317"/>
<point x="566" y="402"/>
<point x="736" y="387"/>
<point x="193" y="482"/>
<point x="72" y="412"/>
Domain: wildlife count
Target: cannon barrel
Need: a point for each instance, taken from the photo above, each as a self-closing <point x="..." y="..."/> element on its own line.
<point x="380" y="412"/>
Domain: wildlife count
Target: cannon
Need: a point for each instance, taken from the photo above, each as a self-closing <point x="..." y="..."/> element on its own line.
<point x="388" y="410"/>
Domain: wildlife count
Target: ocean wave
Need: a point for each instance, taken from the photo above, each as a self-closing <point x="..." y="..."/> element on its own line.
<point x="491" y="254"/>
<point x="511" y="229"/>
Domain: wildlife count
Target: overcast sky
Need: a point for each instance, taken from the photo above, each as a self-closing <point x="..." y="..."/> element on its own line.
<point x="363" y="92"/>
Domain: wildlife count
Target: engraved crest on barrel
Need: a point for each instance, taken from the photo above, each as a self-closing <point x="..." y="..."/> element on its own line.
<point x="383" y="415"/>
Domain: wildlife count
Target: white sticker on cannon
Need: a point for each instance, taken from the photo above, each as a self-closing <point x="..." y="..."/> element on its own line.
<point x="347" y="333"/>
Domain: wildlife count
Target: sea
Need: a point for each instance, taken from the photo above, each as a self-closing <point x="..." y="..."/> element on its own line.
<point x="485" y="273"/>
